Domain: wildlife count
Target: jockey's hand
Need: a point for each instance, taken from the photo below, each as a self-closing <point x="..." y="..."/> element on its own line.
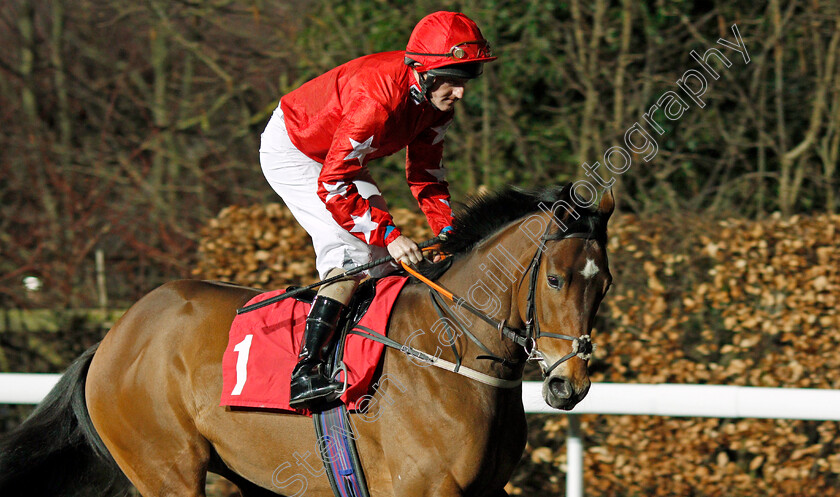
<point x="404" y="249"/>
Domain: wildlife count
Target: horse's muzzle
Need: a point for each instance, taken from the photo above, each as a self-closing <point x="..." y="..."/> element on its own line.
<point x="561" y="393"/>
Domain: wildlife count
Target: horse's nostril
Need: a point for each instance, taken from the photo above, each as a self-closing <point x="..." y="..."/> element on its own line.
<point x="560" y="388"/>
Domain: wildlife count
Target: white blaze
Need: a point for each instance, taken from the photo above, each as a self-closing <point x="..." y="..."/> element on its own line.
<point x="590" y="270"/>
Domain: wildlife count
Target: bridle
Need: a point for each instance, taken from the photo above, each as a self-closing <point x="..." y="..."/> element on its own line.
<point x="582" y="346"/>
<point x="526" y="338"/>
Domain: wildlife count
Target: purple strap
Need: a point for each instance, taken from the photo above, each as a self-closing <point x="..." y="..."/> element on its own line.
<point x="336" y="438"/>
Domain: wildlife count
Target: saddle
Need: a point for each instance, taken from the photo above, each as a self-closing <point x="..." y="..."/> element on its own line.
<point x="264" y="345"/>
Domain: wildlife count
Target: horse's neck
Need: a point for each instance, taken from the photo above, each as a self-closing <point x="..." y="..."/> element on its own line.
<point x="493" y="277"/>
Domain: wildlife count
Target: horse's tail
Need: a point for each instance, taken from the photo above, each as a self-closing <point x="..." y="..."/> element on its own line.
<point x="56" y="451"/>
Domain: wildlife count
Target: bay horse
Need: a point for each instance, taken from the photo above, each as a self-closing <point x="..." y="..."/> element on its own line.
<point x="143" y="405"/>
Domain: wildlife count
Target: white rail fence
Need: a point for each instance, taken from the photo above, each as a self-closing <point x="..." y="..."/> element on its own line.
<point x="714" y="401"/>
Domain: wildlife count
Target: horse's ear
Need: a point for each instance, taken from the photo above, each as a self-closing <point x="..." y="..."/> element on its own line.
<point x="607" y="204"/>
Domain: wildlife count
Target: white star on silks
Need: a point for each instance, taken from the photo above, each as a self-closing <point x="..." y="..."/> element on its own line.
<point x="441" y="131"/>
<point x="364" y="224"/>
<point x="360" y="150"/>
<point x="444" y="201"/>
<point x="439" y="173"/>
<point x="336" y="190"/>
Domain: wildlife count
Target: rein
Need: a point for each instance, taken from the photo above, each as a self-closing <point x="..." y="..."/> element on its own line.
<point x="435" y="361"/>
<point x="526" y="338"/>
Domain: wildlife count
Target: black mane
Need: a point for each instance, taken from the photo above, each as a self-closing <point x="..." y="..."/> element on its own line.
<point x="484" y="215"/>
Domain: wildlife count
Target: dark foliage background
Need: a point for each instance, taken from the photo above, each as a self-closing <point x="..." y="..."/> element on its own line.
<point x="128" y="125"/>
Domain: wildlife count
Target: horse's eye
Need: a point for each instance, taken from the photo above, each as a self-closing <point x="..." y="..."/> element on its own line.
<point x="555" y="281"/>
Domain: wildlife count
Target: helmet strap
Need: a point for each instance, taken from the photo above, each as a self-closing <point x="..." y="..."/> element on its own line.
<point x="417" y="94"/>
<point x="427" y="81"/>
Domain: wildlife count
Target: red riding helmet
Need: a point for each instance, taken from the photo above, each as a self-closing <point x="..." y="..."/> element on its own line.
<point x="447" y="44"/>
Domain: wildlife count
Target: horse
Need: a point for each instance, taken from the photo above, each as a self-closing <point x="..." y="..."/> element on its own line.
<point x="142" y="406"/>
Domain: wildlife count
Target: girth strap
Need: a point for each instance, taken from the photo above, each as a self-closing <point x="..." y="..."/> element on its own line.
<point x="337" y="448"/>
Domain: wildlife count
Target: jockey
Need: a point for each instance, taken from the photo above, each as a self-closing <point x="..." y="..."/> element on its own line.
<point x="319" y="140"/>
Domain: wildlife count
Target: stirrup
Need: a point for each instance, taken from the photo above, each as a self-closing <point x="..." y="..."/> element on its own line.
<point x="341" y="368"/>
<point x="313" y="397"/>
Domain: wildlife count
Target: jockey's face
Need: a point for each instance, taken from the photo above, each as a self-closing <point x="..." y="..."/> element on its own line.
<point x="446" y="92"/>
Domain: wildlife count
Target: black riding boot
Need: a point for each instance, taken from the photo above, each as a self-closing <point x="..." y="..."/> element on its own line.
<point x="309" y="386"/>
